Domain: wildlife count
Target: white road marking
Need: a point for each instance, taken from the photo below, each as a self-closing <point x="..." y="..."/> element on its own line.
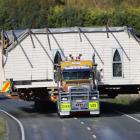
<point x="75" y="118"/>
<point x="36" y="135"/>
<point x="34" y="126"/>
<point x="128" y="116"/>
<point x="94" y="136"/>
<point x="88" y="128"/>
<point x="82" y="123"/>
<point x="19" y="123"/>
<point x="20" y="100"/>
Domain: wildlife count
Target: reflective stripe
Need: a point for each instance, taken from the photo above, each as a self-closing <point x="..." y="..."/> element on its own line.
<point x="6" y="86"/>
<point x="93" y="105"/>
<point x="65" y="106"/>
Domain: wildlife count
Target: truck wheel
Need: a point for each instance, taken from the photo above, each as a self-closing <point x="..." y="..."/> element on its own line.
<point x="46" y="106"/>
<point x="60" y="115"/>
<point x="95" y="115"/>
<point x="63" y="116"/>
<point x="38" y="105"/>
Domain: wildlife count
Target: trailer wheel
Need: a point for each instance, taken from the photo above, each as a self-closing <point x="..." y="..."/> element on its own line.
<point x="38" y="105"/>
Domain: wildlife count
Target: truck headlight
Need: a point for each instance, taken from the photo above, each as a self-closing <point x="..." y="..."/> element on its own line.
<point x="64" y="99"/>
<point x="93" y="98"/>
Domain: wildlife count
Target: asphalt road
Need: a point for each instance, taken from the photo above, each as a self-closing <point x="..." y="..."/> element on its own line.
<point x="111" y="125"/>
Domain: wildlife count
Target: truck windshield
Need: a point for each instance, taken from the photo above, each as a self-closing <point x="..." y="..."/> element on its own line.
<point x="76" y="74"/>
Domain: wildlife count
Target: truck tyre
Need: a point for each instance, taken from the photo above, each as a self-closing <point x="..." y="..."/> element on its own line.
<point x="95" y="115"/>
<point x="58" y="112"/>
<point x="38" y="105"/>
<point x="63" y="116"/>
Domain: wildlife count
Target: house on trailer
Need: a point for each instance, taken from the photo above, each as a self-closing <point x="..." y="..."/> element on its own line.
<point x="30" y="58"/>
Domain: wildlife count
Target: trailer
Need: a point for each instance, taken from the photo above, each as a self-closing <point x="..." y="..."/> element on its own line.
<point x="32" y="55"/>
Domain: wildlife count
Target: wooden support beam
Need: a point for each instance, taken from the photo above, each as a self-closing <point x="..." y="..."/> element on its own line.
<point x="2" y="45"/>
<point x="79" y="31"/>
<point x="107" y="31"/>
<point x="30" y="33"/>
<point x="119" y="44"/>
<point x="57" y="43"/>
<point x="22" y="49"/>
<point x="92" y="46"/>
<point x="43" y="48"/>
<point x="48" y="38"/>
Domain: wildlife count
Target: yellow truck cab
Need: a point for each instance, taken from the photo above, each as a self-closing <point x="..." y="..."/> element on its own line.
<point x="77" y="87"/>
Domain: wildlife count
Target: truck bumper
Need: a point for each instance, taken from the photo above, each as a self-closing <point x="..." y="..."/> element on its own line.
<point x="64" y="113"/>
<point x="94" y="112"/>
<point x="66" y="108"/>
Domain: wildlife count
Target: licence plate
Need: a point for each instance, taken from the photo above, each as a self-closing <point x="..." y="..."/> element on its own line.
<point x="79" y="104"/>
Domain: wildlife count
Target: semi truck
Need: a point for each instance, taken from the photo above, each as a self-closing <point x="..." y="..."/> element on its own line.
<point x="77" y="87"/>
<point x="33" y="57"/>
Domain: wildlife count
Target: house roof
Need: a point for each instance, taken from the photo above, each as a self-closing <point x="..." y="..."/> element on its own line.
<point x="22" y="34"/>
<point x="19" y="33"/>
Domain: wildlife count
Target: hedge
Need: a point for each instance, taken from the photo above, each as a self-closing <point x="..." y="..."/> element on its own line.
<point x="33" y="15"/>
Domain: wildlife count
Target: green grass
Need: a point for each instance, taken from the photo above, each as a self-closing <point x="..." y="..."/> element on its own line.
<point x="124" y="100"/>
<point x="2" y="129"/>
<point x="129" y="103"/>
<point x="102" y="3"/>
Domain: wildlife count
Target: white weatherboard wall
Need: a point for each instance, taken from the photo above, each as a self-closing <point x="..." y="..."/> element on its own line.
<point x="18" y="67"/>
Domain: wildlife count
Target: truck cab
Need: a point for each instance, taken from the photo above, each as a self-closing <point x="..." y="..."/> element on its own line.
<point x="77" y="88"/>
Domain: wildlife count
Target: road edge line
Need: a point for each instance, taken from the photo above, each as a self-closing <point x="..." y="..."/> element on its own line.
<point x="128" y="116"/>
<point x="19" y="123"/>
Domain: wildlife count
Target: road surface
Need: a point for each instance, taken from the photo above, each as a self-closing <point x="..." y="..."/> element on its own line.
<point x="111" y="125"/>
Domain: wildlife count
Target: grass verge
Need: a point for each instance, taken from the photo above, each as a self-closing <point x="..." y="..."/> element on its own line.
<point x="126" y="102"/>
<point x="126" y="99"/>
<point x="2" y="129"/>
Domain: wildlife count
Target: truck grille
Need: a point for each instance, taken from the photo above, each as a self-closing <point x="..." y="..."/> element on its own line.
<point x="79" y="93"/>
<point x="79" y="97"/>
<point x="78" y="90"/>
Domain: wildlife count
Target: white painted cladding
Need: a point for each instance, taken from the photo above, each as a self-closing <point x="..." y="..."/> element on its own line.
<point x="19" y="68"/>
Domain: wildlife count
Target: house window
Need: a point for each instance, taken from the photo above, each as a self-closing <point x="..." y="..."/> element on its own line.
<point x="57" y="59"/>
<point x="117" y="64"/>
